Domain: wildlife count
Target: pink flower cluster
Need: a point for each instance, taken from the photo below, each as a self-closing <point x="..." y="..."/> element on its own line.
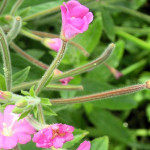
<point x="13" y="131"/>
<point x="54" y="135"/>
<point x="75" y="19"/>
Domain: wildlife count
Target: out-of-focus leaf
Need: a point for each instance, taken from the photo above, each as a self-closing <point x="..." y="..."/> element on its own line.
<point x="109" y="125"/>
<point x="108" y="24"/>
<point x="48" y="111"/>
<point x="100" y="143"/>
<point x="20" y="76"/>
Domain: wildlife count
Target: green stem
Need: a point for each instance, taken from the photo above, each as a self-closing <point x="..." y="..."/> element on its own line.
<point x="134" y="39"/>
<point x="15" y="7"/>
<point x="41" y="13"/>
<point x="128" y="11"/>
<point x="54" y="87"/>
<point x="133" y="67"/>
<point x="141" y="31"/>
<point x="6" y="59"/>
<point x="102" y="95"/>
<point x="30" y="35"/>
<point x="17" y="147"/>
<point x="3" y="5"/>
<point x="41" y="114"/>
<point x="87" y="67"/>
<point x="28" y="57"/>
<point x="141" y="132"/>
<point x="51" y="68"/>
<point x="15" y="29"/>
<point x="50" y="35"/>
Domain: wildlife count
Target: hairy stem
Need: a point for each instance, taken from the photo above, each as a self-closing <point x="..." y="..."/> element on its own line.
<point x="93" y="64"/>
<point x="103" y="95"/>
<point x="15" y="29"/>
<point x="51" y="68"/>
<point x="15" y="7"/>
<point x="3" y="5"/>
<point x="6" y="60"/>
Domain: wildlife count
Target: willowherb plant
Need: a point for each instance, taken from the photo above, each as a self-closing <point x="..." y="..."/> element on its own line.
<point x="23" y="113"/>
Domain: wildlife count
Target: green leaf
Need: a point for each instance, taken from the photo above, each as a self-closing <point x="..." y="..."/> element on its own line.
<point x="25" y="93"/>
<point x="24" y="114"/>
<point x="108" y="24"/>
<point x="48" y="111"/>
<point x="39" y="10"/>
<point x="24" y="12"/>
<point x="100" y="143"/>
<point x="35" y="111"/>
<point x="32" y="92"/>
<point x="109" y="125"/>
<point x="2" y="83"/>
<point x="20" y="76"/>
<point x="78" y="136"/>
<point x="45" y="101"/>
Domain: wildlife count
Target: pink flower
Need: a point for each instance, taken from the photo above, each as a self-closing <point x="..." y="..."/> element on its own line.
<point x="53" y="44"/>
<point x="84" y="146"/>
<point x="64" y="81"/>
<point x="13" y="131"/>
<point x="75" y="19"/>
<point x="54" y="135"/>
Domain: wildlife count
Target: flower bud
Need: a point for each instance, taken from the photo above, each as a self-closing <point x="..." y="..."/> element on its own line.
<point x="21" y="103"/>
<point x="53" y="44"/>
<point x="4" y="95"/>
<point x="17" y="110"/>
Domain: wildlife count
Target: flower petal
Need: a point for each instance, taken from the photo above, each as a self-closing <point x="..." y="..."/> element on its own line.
<point x="23" y="138"/>
<point x="84" y="146"/>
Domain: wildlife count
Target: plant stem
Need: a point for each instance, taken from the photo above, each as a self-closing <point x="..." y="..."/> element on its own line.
<point x="17" y="147"/>
<point x="3" y="5"/>
<point x="133" y="67"/>
<point x="103" y="95"/>
<point x="30" y="35"/>
<point x="50" y="35"/>
<point x="128" y="11"/>
<point x="41" y="114"/>
<point x="93" y="64"/>
<point x="41" y="13"/>
<point x="134" y="39"/>
<point x="54" y="87"/>
<point x="51" y="68"/>
<point x="6" y="60"/>
<point x="28" y="57"/>
<point x="15" y="29"/>
<point x="15" y="7"/>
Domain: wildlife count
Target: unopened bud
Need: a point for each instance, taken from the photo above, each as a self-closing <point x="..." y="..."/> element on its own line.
<point x="17" y="110"/>
<point x="53" y="44"/>
<point x="148" y="84"/>
<point x="4" y="95"/>
<point x="22" y="103"/>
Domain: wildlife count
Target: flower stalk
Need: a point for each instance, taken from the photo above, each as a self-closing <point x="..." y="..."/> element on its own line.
<point x="93" y="64"/>
<point x="3" y="5"/>
<point x="15" y="7"/>
<point x="6" y="60"/>
<point x="15" y="29"/>
<point x="103" y="95"/>
<point x="51" y="68"/>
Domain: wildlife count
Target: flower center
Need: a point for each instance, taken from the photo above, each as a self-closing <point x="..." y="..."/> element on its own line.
<point x="57" y="133"/>
<point x="7" y="131"/>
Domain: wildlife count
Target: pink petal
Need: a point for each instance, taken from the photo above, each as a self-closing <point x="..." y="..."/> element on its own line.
<point x="79" y="11"/>
<point x="58" y="142"/>
<point x="9" y="142"/>
<point x="9" y="117"/>
<point x="23" y="138"/>
<point x="71" y="4"/>
<point x="63" y="13"/>
<point x="84" y="146"/>
<point x="85" y="26"/>
<point x="23" y="126"/>
<point x="76" y="22"/>
<point x="1" y="121"/>
<point x="68" y="137"/>
<point x="89" y="17"/>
